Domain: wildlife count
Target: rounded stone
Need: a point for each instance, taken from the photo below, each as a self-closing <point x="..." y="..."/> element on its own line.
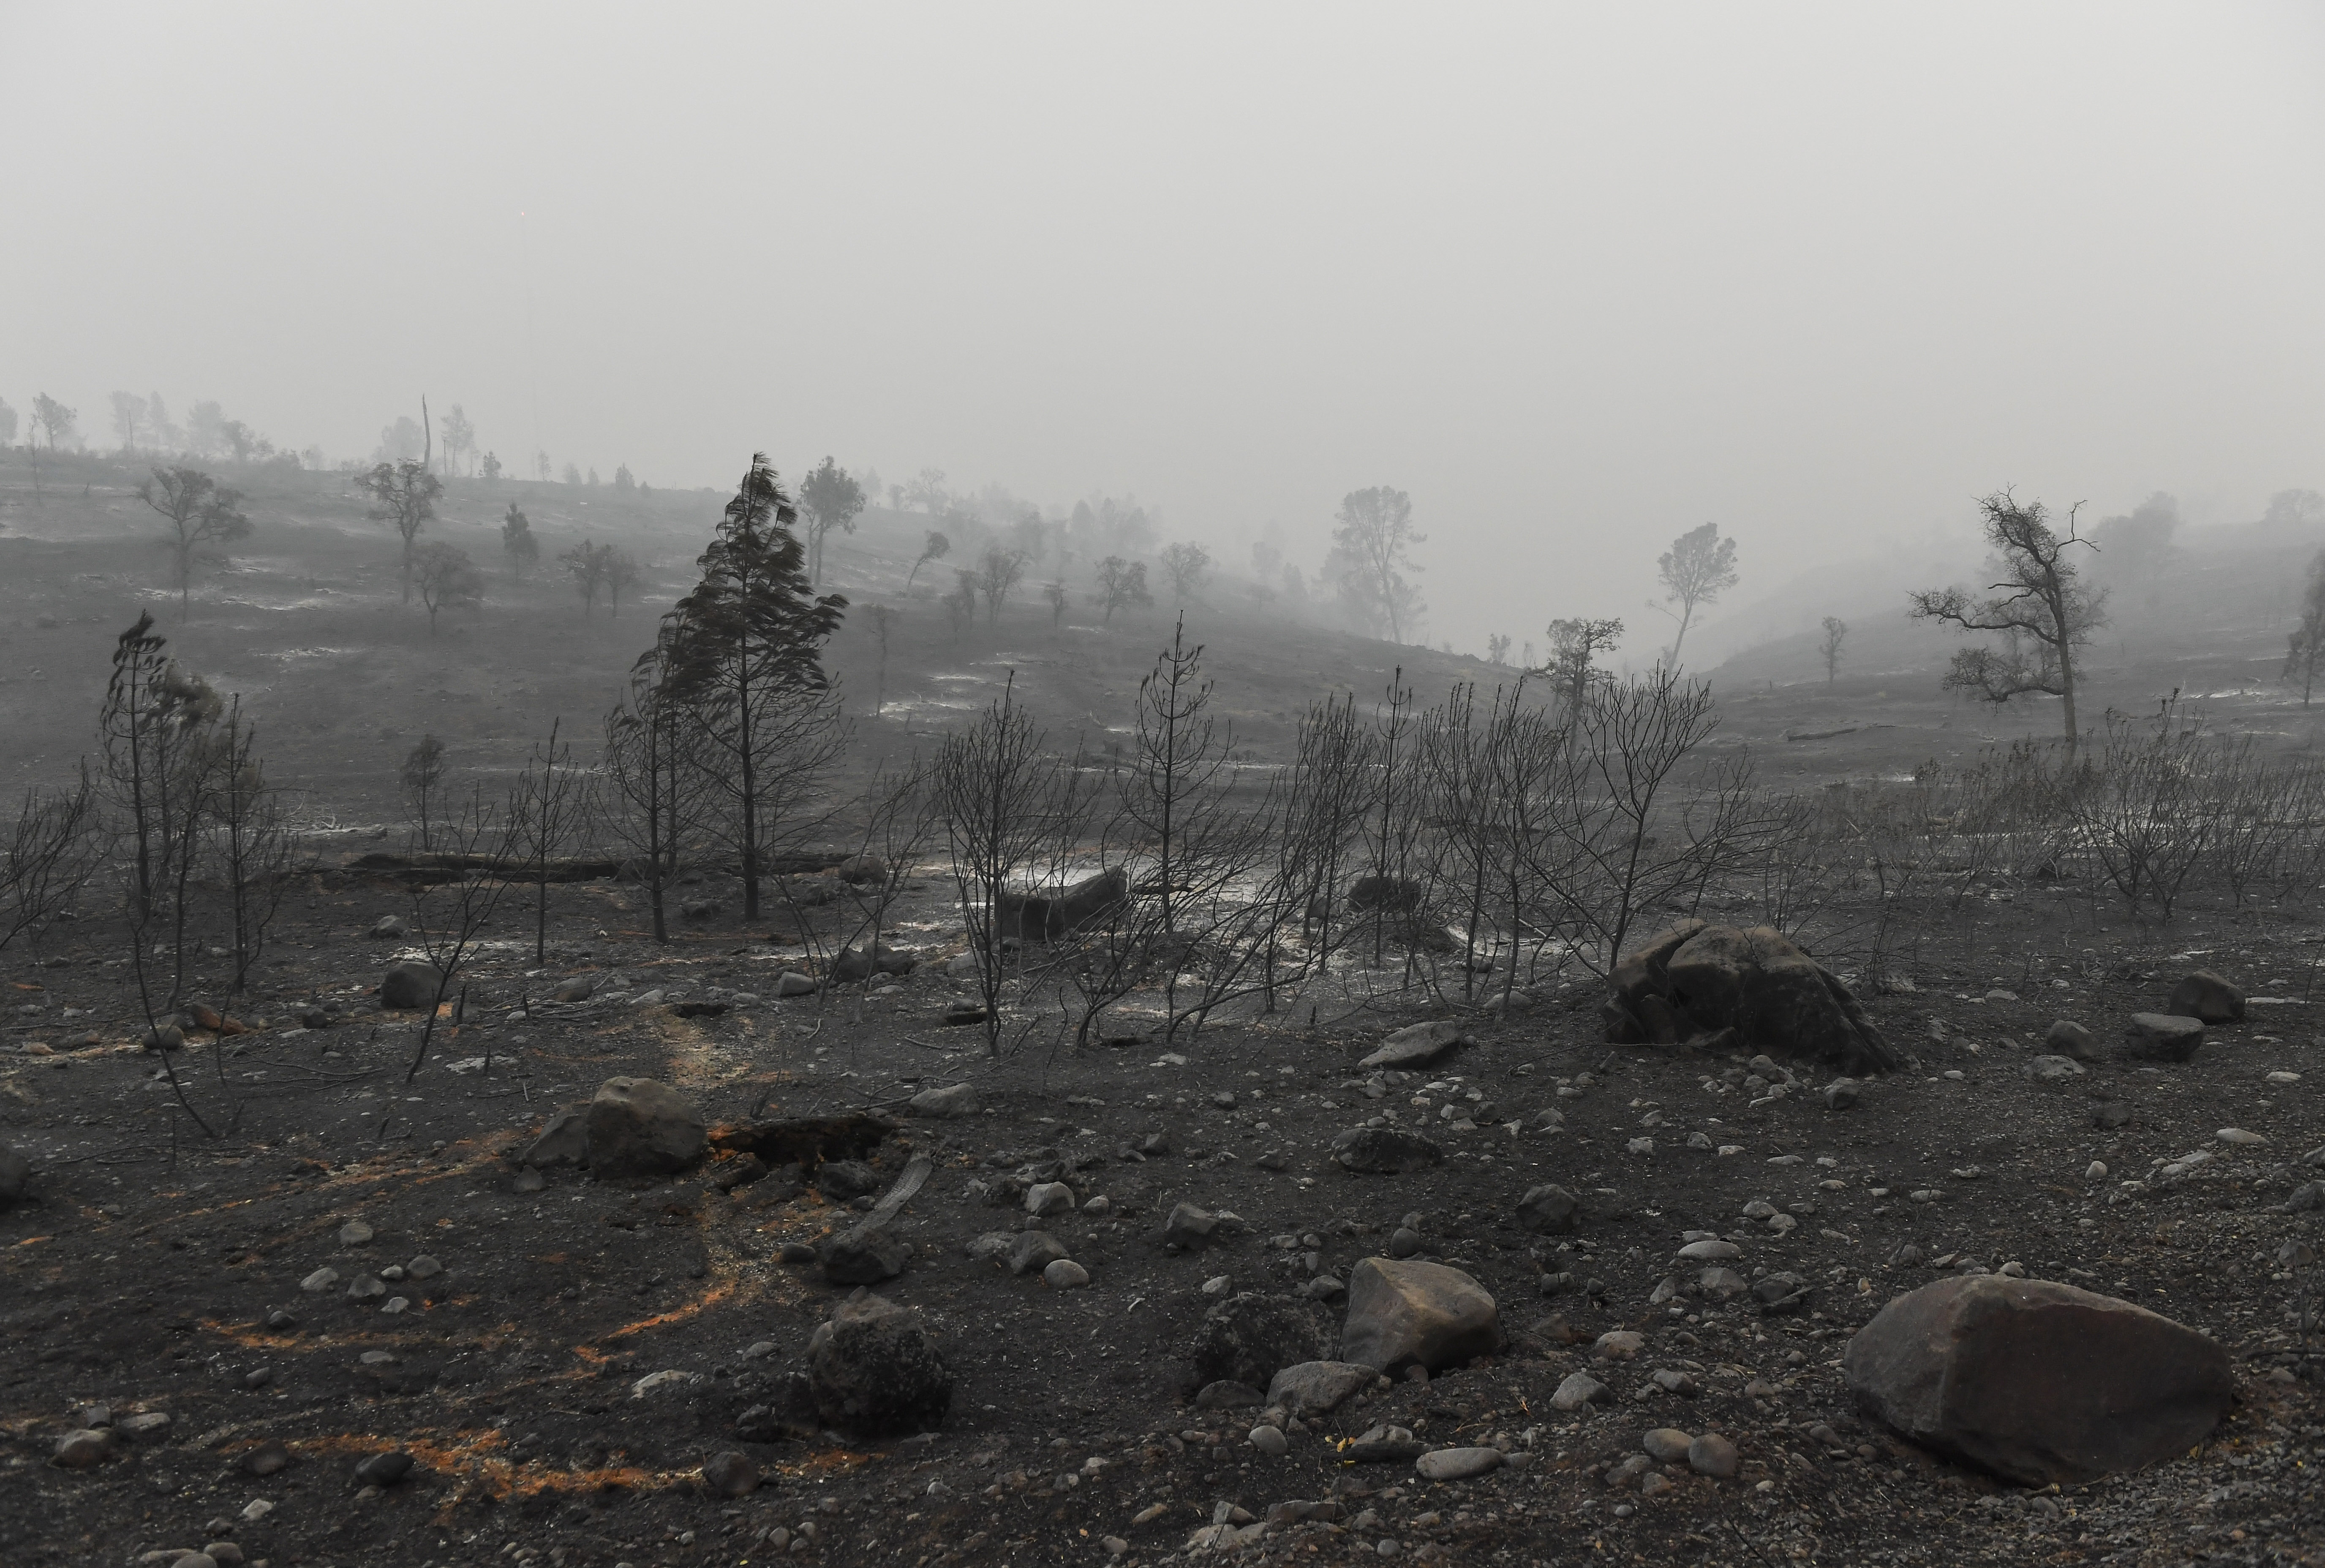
<point x="1712" y="1455"/>
<point x="1270" y="1441"/>
<point x="385" y="1470"/>
<point x="80" y="1448"/>
<point x="1452" y="1464"/>
<point x="1666" y="1444"/>
<point x="730" y="1475"/>
<point x="1065" y="1273"/>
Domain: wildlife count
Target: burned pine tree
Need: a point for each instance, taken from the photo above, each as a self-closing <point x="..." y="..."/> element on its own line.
<point x="749" y="656"/>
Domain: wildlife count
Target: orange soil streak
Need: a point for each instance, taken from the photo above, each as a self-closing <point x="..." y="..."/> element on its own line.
<point x="726" y="1289"/>
<point x="32" y="1240"/>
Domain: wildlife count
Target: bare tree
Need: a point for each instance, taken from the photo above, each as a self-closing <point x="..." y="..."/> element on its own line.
<point x="1697" y="568"/>
<point x="197" y="512"/>
<point x="449" y="914"/>
<point x="152" y="725"/>
<point x="1005" y="803"/>
<point x="403" y="496"/>
<point x="2304" y="653"/>
<point x="447" y="579"/>
<point x="421" y="777"/>
<point x="884" y="618"/>
<point x="1188" y="564"/>
<point x="656" y="781"/>
<point x="2040" y="599"/>
<point x="1055" y="592"/>
<point x="254" y="852"/>
<point x="546" y="811"/>
<point x="1836" y="633"/>
<point x="997" y="577"/>
<point x="47" y="855"/>
<point x="1121" y="584"/>
<point x="1372" y="552"/>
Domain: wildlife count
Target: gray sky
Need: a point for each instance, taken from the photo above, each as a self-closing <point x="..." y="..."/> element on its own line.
<point x="1576" y="277"/>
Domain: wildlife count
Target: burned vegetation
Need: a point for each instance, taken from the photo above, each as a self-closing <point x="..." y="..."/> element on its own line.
<point x="1481" y="1122"/>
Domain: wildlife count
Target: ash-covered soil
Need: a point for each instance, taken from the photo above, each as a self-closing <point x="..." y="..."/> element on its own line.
<point x="587" y="1344"/>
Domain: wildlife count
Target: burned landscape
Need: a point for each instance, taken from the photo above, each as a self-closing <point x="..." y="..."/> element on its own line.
<point x="1559" y="800"/>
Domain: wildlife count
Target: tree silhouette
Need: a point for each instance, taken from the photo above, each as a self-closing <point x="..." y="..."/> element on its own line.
<point x="197" y="512"/>
<point x="1697" y="568"/>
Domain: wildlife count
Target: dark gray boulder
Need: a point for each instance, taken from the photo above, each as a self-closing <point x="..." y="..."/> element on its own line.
<point x="874" y="1370"/>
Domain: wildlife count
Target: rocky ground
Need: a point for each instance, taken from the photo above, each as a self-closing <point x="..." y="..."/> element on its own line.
<point x="592" y="1370"/>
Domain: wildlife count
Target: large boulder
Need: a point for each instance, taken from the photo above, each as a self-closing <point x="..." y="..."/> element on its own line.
<point x="1696" y="979"/>
<point x="2206" y="996"/>
<point x="1249" y="1338"/>
<point x="874" y="1370"/>
<point x="409" y="985"/>
<point x="1403" y="1314"/>
<point x="639" y="1128"/>
<point x="2040" y="1383"/>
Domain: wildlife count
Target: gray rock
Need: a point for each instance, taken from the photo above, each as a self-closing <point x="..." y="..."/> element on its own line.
<point x="1549" y="1210"/>
<point x="1404" y="1242"/>
<point x="2053" y="1069"/>
<point x="1064" y="1274"/>
<point x="1403" y="1314"/>
<point x="1033" y="1251"/>
<point x="2110" y="1114"/>
<point x="385" y="1470"/>
<point x="1417" y="1046"/>
<point x="164" y="1038"/>
<point x="423" y="1267"/>
<point x="1579" y="1389"/>
<point x="2164" y="1037"/>
<point x="1270" y="1441"/>
<point x="845" y="1180"/>
<point x="1722" y="1284"/>
<point x="1384" y="1151"/>
<point x="1666" y="1444"/>
<point x="1190" y="1228"/>
<point x="576" y="989"/>
<point x="1249" y="1338"/>
<point x="941" y="1104"/>
<point x="355" y="1233"/>
<point x="1710" y="1251"/>
<point x="2070" y="1039"/>
<point x="1226" y="1394"/>
<point x="2205" y="997"/>
<point x="389" y="925"/>
<point x="322" y="1279"/>
<point x="874" y="1368"/>
<point x="1842" y="1093"/>
<point x="2040" y="1383"/>
<point x="1781" y="1292"/>
<point x="858" y="869"/>
<point x="1453" y="1464"/>
<point x="1046" y="1197"/>
<point x="792" y="983"/>
<point x="730" y="1475"/>
<point x="864" y="1254"/>
<point x="1712" y="1455"/>
<point x="1317" y="1387"/>
<point x="637" y="1127"/>
<point x="409" y="985"/>
<point x="564" y="1139"/>
<point x="81" y="1448"/>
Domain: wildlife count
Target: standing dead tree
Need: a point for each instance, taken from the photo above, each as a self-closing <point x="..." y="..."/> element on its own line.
<point x="657" y="784"/>
<point x="251" y="846"/>
<point x="547" y="810"/>
<point x="47" y="855"/>
<point x="448" y="916"/>
<point x="2040" y="601"/>
<point x="1005" y="803"/>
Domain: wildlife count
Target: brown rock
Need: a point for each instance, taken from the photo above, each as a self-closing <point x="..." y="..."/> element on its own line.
<point x="2038" y="1382"/>
<point x="639" y="1128"/>
<point x="1403" y="1314"/>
